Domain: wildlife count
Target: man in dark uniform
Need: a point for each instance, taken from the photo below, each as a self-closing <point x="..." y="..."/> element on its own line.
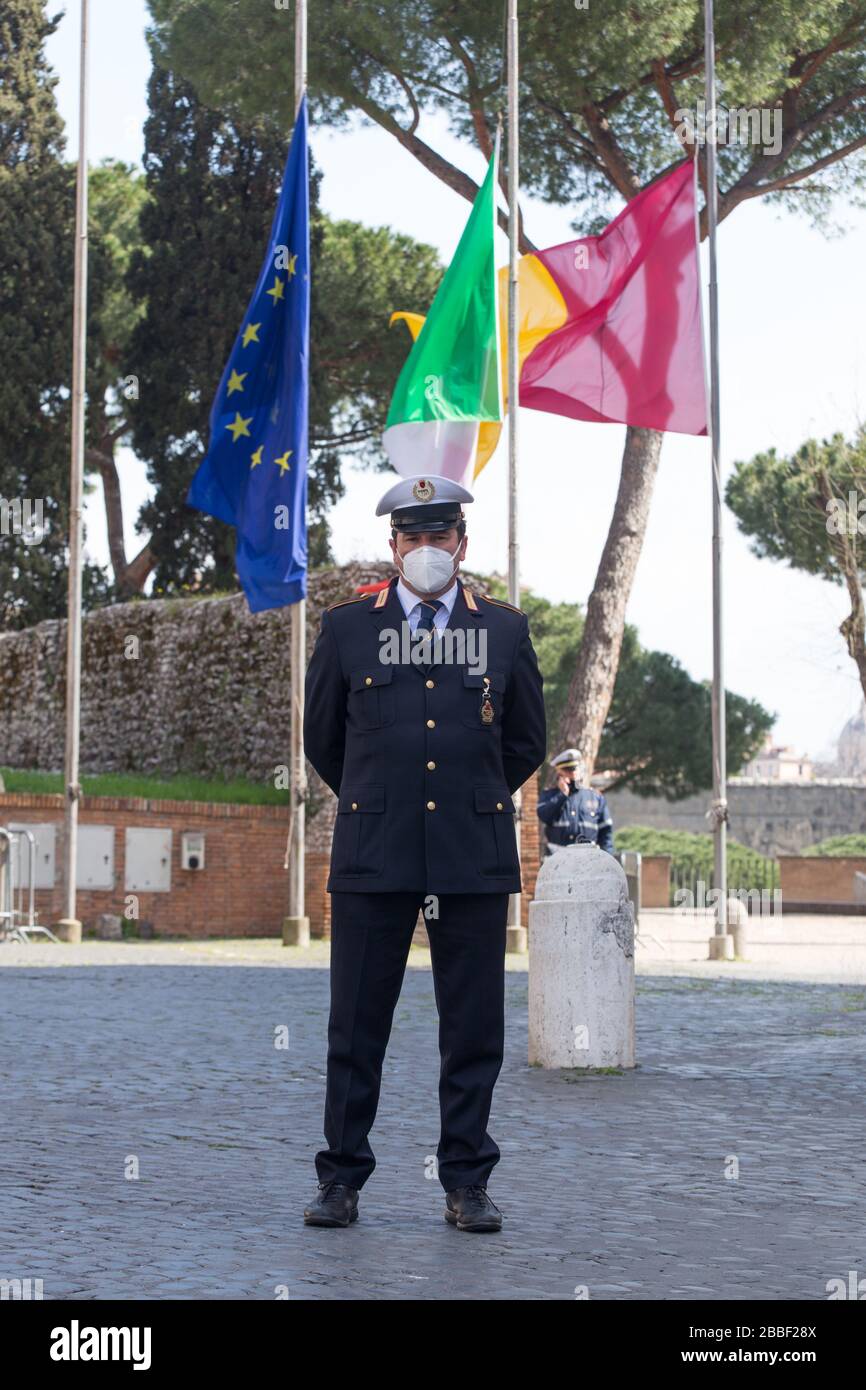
<point x="571" y="813"/>
<point x="423" y="755"/>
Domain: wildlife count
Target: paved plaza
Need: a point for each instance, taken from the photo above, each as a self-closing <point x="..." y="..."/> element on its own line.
<point x="728" y="1165"/>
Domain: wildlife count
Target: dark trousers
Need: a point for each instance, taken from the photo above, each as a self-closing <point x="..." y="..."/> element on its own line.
<point x="370" y="938"/>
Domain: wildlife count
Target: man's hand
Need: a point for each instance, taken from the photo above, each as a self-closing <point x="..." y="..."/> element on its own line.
<point x="563" y="781"/>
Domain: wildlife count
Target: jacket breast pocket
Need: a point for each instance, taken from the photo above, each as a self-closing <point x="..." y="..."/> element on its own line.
<point x="359" y="832"/>
<point x="497" y="840"/>
<point x="482" y="700"/>
<point x="372" y="698"/>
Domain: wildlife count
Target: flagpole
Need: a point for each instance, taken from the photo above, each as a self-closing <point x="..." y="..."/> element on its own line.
<point x="76" y="486"/>
<point x="516" y="934"/>
<point x="719" y="807"/>
<point x="296" y="925"/>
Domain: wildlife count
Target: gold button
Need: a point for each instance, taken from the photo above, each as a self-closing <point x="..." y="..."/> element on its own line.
<point x="499" y="805"/>
<point x="354" y="805"/>
<point x="368" y="680"/>
<point x="430" y="684"/>
<point x="431" y="805"/>
<point x="431" y="767"/>
<point x="431" y="723"/>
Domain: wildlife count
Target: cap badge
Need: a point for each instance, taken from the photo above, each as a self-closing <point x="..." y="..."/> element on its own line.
<point x="423" y="490"/>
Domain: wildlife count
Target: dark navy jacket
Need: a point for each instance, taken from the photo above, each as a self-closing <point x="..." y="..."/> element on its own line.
<point x="423" y="782"/>
<point x="581" y="816"/>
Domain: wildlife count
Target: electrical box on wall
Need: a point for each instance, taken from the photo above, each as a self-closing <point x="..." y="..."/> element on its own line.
<point x="95" y="857"/>
<point x="192" y="850"/>
<point x="43" y="857"/>
<point x="148" y="860"/>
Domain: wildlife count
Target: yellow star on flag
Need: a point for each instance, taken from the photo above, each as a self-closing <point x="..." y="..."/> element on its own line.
<point x="236" y="381"/>
<point x="256" y="458"/>
<point x="279" y="289"/>
<point x="283" y="462"/>
<point x="239" y="426"/>
<point x="251" y="333"/>
<point x="291" y="265"/>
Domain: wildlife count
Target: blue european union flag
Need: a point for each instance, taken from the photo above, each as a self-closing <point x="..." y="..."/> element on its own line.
<point x="254" y="475"/>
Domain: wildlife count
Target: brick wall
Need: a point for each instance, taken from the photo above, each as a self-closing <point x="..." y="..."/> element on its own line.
<point x="319" y="831"/>
<point x="655" y="880"/>
<point x="810" y="879"/>
<point x="243" y="888"/>
<point x="318" y="903"/>
<point x="240" y="892"/>
<point x="530" y="846"/>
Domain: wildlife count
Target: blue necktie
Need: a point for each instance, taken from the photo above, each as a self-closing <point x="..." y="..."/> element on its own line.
<point x="429" y="608"/>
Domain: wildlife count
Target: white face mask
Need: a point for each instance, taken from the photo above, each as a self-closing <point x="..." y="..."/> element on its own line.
<point x="429" y="569"/>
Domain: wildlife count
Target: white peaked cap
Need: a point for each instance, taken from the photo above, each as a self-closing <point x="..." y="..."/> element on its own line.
<point x="419" y="491"/>
<point x="568" y="755"/>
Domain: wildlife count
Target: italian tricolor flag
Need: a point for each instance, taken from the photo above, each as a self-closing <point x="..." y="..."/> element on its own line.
<point x="451" y="380"/>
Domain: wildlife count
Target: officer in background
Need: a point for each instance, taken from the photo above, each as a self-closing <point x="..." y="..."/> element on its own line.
<point x="571" y="813"/>
<point x="423" y="756"/>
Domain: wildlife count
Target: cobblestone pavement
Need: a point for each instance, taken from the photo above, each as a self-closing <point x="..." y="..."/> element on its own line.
<point x="615" y="1183"/>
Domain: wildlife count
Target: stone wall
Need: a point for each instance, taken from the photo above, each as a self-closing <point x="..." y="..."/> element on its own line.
<point x="197" y="686"/>
<point x="176" y="685"/>
<point x="770" y="817"/>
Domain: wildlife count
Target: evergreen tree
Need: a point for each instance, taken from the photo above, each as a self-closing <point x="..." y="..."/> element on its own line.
<point x="37" y="219"/>
<point x="173" y="257"/>
<point x="31" y="131"/>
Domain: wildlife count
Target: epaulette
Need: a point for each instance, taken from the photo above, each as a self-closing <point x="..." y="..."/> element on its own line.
<point x="359" y="598"/>
<point x="500" y="603"/>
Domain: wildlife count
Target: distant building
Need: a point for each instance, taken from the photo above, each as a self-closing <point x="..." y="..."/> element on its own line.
<point x="777" y="764"/>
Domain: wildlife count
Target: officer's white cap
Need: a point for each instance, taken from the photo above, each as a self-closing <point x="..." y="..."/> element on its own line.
<point x="568" y="755"/>
<point x="420" y="491"/>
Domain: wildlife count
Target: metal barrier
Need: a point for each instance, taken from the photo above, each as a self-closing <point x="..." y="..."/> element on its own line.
<point x="17" y="922"/>
<point x="630" y="859"/>
<point x="750" y="872"/>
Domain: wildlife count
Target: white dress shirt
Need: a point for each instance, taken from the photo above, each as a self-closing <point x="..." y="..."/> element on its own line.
<point x="412" y="605"/>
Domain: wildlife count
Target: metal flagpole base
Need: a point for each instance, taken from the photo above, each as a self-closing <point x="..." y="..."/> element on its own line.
<point x="68" y="929"/>
<point x="296" y="931"/>
<point x="515" y="932"/>
<point x="516" y="941"/>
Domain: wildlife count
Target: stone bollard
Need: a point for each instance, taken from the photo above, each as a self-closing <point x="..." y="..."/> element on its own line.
<point x="581" y="962"/>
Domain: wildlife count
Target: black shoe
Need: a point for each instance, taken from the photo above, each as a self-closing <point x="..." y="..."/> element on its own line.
<point x="336" y="1204"/>
<point x="470" y="1209"/>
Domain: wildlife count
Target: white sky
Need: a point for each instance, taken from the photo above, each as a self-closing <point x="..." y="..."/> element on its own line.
<point x="793" y="365"/>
